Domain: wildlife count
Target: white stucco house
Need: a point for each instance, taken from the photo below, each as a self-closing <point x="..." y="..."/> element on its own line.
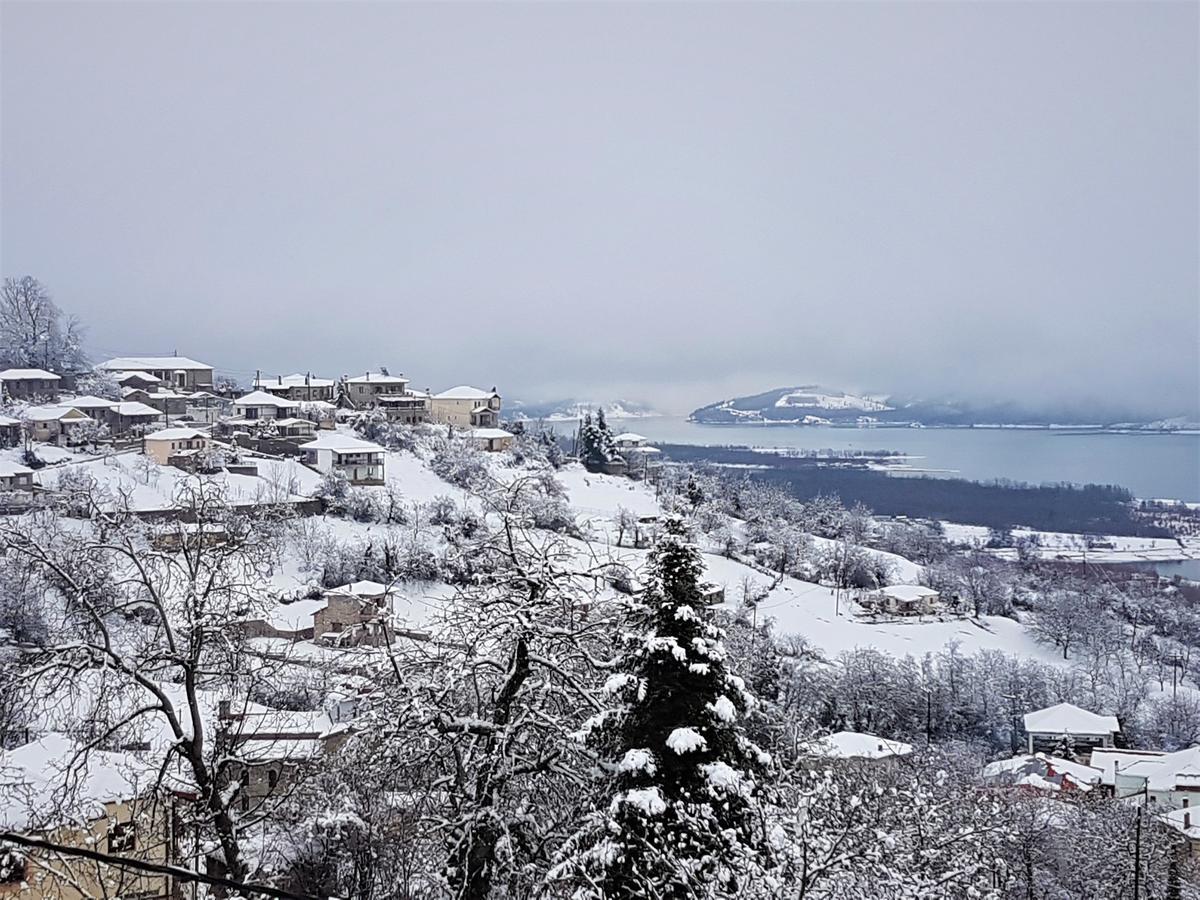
<point x="361" y="462"/>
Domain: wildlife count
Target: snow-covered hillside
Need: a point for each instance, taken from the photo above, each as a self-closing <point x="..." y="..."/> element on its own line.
<point x="814" y="397"/>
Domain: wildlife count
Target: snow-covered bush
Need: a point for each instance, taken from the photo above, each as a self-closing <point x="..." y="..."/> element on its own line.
<point x="544" y="501"/>
<point x="78" y="492"/>
<point x="333" y="488"/>
<point x="458" y="460"/>
<point x="441" y="510"/>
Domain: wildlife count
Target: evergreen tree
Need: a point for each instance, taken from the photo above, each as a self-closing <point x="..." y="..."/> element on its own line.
<point x="1065" y="748"/>
<point x="608" y="444"/>
<point x="679" y="815"/>
<point x="596" y="441"/>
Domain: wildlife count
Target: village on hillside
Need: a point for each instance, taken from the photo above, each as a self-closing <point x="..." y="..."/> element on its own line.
<point x="313" y="539"/>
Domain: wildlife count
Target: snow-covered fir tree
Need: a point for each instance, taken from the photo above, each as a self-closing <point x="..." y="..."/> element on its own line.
<point x="596" y="443"/>
<point x="677" y="814"/>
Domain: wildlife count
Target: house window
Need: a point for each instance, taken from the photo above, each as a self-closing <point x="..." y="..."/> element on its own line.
<point x="272" y="778"/>
<point x="122" y="836"/>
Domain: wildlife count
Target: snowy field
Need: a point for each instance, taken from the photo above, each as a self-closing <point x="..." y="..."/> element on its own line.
<point x="1075" y="547"/>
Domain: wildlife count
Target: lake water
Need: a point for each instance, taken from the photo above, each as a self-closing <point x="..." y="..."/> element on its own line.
<point x="1150" y="465"/>
<point x="1184" y="568"/>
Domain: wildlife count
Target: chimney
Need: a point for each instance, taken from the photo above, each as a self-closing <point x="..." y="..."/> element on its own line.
<point x="280" y="377"/>
<point x="1187" y="821"/>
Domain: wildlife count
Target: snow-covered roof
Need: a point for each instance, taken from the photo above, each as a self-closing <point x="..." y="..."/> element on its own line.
<point x="1067" y="718"/>
<point x="157" y="395"/>
<point x="129" y="376"/>
<point x="262" y="398"/>
<point x="176" y="434"/>
<point x="1164" y="772"/>
<point x="9" y="421"/>
<point x="26" y="374"/>
<point x="907" y="592"/>
<point x="295" y="616"/>
<point x="87" y="401"/>
<point x="378" y="378"/>
<point x="1049" y="767"/>
<point x="8" y="469"/>
<point x="142" y="363"/>
<point x="291" y="422"/>
<point x="1186" y="821"/>
<point x="341" y="442"/>
<point x="630" y="437"/>
<point x="320" y="405"/>
<point x="36" y="773"/>
<point x="134" y="408"/>
<point x="293" y="380"/>
<point x="360" y="589"/>
<point x="54" y="414"/>
<point x="857" y="745"/>
<point x="464" y="392"/>
<point x="491" y="434"/>
<point x="1110" y="760"/>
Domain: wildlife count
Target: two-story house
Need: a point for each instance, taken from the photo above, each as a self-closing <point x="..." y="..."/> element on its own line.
<point x="467" y="406"/>
<point x="361" y="462"/>
<point x="28" y="384"/>
<point x="121" y="417"/>
<point x="183" y="374"/>
<point x="366" y="390"/>
<point x="58" y="424"/>
<point x="263" y="405"/>
<point x="167" y="443"/>
<point x="301" y="388"/>
<point x="409" y="408"/>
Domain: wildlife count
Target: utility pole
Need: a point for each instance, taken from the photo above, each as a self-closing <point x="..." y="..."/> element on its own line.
<point x="1137" y="857"/>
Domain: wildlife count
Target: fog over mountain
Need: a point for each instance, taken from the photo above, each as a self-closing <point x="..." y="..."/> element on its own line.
<point x="669" y="203"/>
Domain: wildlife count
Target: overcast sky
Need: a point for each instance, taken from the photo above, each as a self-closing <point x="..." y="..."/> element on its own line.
<point x="662" y="201"/>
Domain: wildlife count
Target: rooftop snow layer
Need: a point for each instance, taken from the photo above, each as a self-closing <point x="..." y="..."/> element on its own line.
<point x="1067" y="718"/>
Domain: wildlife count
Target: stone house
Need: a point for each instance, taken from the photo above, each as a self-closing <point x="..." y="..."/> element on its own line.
<point x="367" y="390"/>
<point x="903" y="600"/>
<point x="130" y="416"/>
<point x="15" y="477"/>
<point x="409" y="408"/>
<point x="29" y="384"/>
<point x="263" y="405"/>
<point x="58" y="425"/>
<point x="178" y="372"/>
<point x="168" y="403"/>
<point x="301" y="388"/>
<point x="467" y="406"/>
<point x="492" y="439"/>
<point x="354" y="614"/>
<point x="112" y="809"/>
<point x="143" y="381"/>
